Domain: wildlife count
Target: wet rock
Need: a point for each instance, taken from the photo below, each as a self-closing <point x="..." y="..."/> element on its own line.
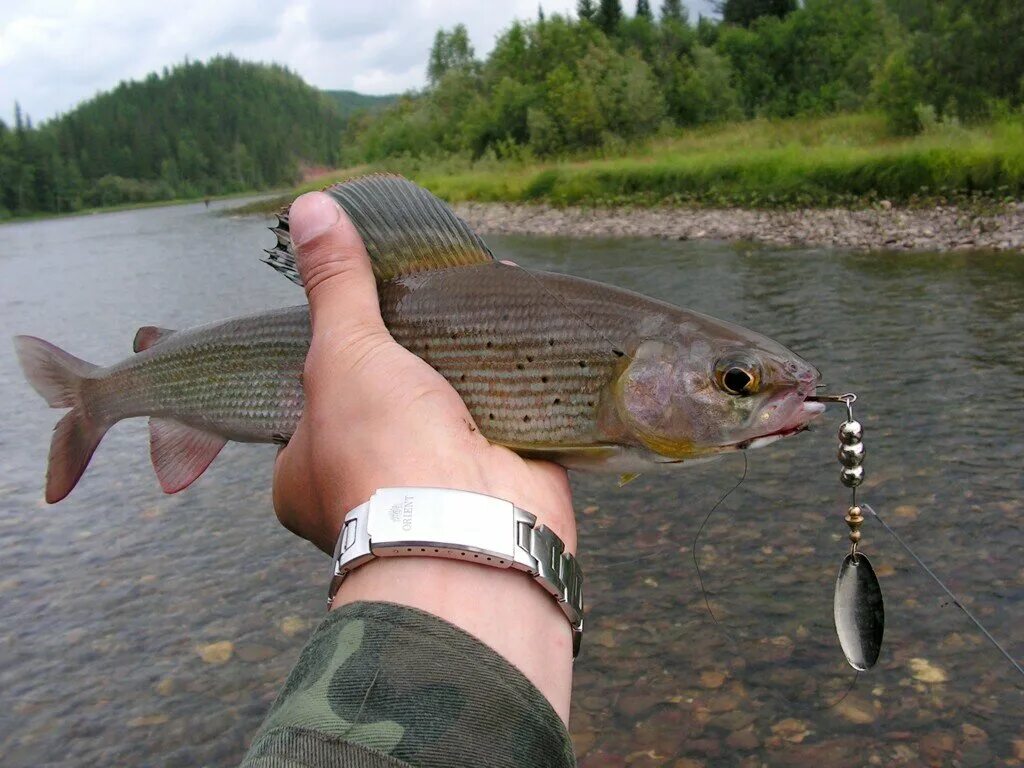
<point x="745" y="740"/>
<point x="972" y="734"/>
<point x="1018" y="748"/>
<point x="216" y="653"/>
<point x="792" y="730"/>
<point x="905" y="512"/>
<point x="251" y="652"/>
<point x="645" y="758"/>
<point x="166" y="686"/>
<point x="857" y="710"/>
<point x="591" y="509"/>
<point x="936" y="745"/>
<point x="632" y="705"/>
<point x="293" y="625"/>
<point x="583" y="742"/>
<point x="926" y="672"/>
<point x="712" y="679"/>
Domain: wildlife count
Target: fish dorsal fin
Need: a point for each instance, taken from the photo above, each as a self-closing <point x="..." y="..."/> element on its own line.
<point x="148" y="335"/>
<point x="180" y="453"/>
<point x="405" y="228"/>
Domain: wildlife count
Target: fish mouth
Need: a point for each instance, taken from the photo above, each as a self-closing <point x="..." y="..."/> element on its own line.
<point x="798" y="421"/>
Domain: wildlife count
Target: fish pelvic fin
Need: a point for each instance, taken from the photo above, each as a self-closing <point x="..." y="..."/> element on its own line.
<point x="58" y="377"/>
<point x="180" y="453"/>
<point x="405" y="228"/>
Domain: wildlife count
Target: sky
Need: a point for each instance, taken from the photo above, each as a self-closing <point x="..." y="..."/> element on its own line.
<point x="57" y="53"/>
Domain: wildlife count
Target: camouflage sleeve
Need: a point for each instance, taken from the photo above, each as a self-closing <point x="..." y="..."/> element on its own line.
<point x="379" y="684"/>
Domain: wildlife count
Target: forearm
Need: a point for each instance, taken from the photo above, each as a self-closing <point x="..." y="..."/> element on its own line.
<point x="382" y="685"/>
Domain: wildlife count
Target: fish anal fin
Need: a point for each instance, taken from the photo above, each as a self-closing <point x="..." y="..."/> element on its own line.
<point x="405" y="228"/>
<point x="180" y="453"/>
<point x="148" y="335"/>
<point x="627" y="478"/>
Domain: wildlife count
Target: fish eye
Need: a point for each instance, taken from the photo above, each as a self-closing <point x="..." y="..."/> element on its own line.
<point x="738" y="377"/>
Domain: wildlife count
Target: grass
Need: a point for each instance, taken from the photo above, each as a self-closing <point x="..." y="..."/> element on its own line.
<point x="846" y="160"/>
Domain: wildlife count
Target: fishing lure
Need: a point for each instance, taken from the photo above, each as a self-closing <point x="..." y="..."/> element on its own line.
<point x="858" y="606"/>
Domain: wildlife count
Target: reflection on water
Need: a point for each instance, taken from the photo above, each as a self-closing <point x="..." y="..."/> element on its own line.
<point x="114" y="602"/>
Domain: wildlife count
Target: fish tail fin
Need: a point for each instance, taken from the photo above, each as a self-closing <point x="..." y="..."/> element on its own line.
<point x="58" y="377"/>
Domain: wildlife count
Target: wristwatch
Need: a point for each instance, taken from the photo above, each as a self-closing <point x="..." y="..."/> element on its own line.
<point x="460" y="525"/>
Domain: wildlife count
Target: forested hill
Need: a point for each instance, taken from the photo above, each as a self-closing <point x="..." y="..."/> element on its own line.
<point x="350" y="102"/>
<point x="196" y="129"/>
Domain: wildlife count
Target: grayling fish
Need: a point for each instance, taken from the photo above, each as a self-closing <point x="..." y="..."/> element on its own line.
<point x="556" y="367"/>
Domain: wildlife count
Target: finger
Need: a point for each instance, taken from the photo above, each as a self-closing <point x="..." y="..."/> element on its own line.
<point x="335" y="268"/>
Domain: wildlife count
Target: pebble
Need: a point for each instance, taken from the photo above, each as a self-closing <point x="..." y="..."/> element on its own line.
<point x="936" y="228"/>
<point x="857" y="710"/>
<point x="251" y="652"/>
<point x="934" y="746"/>
<point x="216" y="653"/>
<point x="712" y="679"/>
<point x="1018" y="749"/>
<point x="926" y="672"/>
<point x="745" y="739"/>
<point x="792" y="730"/>
<point x="688" y="762"/>
<point x="293" y="625"/>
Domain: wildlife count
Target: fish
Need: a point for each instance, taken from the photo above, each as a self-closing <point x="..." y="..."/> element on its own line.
<point x="552" y="366"/>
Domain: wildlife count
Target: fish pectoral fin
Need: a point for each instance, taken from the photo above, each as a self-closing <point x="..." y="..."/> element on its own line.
<point x="405" y="228"/>
<point x="148" y="335"/>
<point x="180" y="453"/>
<point x="627" y="478"/>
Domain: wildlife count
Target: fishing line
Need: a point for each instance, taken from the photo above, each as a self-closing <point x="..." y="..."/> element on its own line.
<point x="725" y="630"/>
<point x="956" y="601"/>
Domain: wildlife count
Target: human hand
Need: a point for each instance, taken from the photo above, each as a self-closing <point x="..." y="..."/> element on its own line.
<point x="376" y="415"/>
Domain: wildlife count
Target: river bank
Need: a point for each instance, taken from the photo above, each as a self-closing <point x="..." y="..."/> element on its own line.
<point x="938" y="228"/>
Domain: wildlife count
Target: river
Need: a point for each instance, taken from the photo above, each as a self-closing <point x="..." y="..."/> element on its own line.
<point x="118" y="605"/>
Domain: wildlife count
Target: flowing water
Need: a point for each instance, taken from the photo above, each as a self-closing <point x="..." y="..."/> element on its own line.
<point x="143" y="629"/>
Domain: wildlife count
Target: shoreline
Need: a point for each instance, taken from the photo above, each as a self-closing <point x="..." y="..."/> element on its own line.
<point x="938" y="228"/>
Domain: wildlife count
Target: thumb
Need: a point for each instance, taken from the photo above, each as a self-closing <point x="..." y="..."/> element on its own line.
<point x="335" y="268"/>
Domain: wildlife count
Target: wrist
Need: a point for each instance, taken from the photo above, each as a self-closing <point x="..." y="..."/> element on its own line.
<point x="523" y="601"/>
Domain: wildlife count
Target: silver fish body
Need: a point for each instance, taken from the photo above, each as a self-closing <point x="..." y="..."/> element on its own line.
<point x="552" y="366"/>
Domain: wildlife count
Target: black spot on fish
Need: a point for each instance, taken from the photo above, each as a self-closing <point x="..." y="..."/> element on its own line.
<point x="526" y="419"/>
<point x="529" y="359"/>
<point x="490" y="416"/>
<point x="544" y="379"/>
<point x="583" y="364"/>
<point x="462" y="377"/>
<point x="520" y="366"/>
<point x="490" y="344"/>
<point x="558" y="401"/>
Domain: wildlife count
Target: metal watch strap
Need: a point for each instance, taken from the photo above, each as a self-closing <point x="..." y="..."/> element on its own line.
<point x="460" y="525"/>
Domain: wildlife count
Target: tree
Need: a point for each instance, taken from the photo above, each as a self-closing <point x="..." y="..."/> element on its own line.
<point x="674" y="10"/>
<point x="586" y="10"/>
<point x="609" y="14"/>
<point x="746" y="12"/>
<point x="451" y="50"/>
<point x="643" y="9"/>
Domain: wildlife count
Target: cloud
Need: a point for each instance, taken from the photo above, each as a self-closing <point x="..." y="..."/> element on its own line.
<point x="56" y="54"/>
